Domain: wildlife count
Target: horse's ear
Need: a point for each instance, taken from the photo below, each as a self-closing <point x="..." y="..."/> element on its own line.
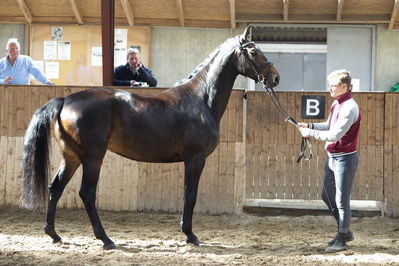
<point x="247" y="35"/>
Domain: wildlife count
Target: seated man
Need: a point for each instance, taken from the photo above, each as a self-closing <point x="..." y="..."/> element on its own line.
<point x="15" y="68"/>
<point x="133" y="73"/>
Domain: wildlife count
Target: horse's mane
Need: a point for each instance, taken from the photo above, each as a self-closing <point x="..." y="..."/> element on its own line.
<point x="204" y="63"/>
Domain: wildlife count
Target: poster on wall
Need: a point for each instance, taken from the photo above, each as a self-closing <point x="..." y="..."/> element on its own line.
<point x="50" y="50"/>
<point x="120" y="46"/>
<point x="64" y="50"/>
<point x="53" y="70"/>
<point x="57" y="33"/>
<point x="120" y="38"/>
<point x="96" y="56"/>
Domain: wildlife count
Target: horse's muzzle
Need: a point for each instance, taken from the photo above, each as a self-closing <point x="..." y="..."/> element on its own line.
<point x="272" y="81"/>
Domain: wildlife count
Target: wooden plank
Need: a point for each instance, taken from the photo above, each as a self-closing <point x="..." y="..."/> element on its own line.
<point x="371" y="117"/>
<point x="119" y="184"/>
<point x="180" y="194"/>
<point x="363" y="109"/>
<point x="240" y="177"/>
<point x="249" y="183"/>
<point x="257" y="177"/>
<point x="222" y="178"/>
<point x="250" y="130"/>
<point x="379" y="173"/>
<point x="18" y="170"/>
<point x="395" y="181"/>
<point x="393" y="15"/>
<point x="282" y="126"/>
<point x="362" y="180"/>
<point x="291" y="108"/>
<point x="157" y="187"/>
<point x="379" y="119"/>
<point x="240" y="115"/>
<point x="258" y="105"/>
<point x="180" y="13"/>
<point x="165" y="199"/>
<point x="149" y="188"/>
<point x="20" y="111"/>
<point x="371" y="173"/>
<point x="142" y="180"/>
<point x="10" y="177"/>
<point x="3" y="169"/>
<point x="174" y="185"/>
<point x="230" y="178"/>
<point x="134" y="173"/>
<point x="263" y="171"/>
<point x="232" y="13"/>
<point x="2" y="111"/>
<point x="388" y="179"/>
<point x="395" y="120"/>
<point x="273" y="168"/>
<point x="12" y="113"/>
<point x="231" y="112"/>
<point x="76" y="11"/>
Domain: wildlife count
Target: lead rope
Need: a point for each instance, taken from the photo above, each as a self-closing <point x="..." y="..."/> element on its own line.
<point x="305" y="142"/>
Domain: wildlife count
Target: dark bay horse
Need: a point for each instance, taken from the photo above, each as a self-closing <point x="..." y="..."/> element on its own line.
<point x="178" y="124"/>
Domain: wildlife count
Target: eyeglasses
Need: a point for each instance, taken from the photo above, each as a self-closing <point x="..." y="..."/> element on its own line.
<point x="334" y="86"/>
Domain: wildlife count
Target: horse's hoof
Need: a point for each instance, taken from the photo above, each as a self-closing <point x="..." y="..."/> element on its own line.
<point x="110" y="246"/>
<point x="193" y="241"/>
<point x="57" y="240"/>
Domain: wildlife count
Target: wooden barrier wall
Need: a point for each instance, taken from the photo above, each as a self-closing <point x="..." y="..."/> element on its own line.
<point x="272" y="148"/>
<point x="256" y="157"/>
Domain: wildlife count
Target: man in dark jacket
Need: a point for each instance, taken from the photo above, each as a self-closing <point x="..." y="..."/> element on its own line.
<point x="133" y="74"/>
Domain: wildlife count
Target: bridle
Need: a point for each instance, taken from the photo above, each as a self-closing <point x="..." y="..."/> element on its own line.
<point x="257" y="69"/>
<point x="305" y="142"/>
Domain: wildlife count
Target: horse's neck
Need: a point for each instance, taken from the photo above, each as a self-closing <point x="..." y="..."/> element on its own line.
<point x="217" y="83"/>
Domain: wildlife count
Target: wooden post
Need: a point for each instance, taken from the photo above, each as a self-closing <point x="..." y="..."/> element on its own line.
<point x="107" y="32"/>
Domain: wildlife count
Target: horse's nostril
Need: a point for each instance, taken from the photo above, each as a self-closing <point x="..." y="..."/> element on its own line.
<point x="276" y="79"/>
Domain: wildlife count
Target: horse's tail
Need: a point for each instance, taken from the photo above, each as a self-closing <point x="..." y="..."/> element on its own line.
<point x="36" y="154"/>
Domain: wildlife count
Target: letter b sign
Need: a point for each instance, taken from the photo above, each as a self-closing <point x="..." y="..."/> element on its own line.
<point x="313" y="107"/>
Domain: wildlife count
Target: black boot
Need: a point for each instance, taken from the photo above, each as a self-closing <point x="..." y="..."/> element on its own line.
<point x="339" y="244"/>
<point x="347" y="237"/>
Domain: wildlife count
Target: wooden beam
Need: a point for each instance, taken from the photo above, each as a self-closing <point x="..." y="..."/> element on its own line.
<point x="128" y="12"/>
<point x="179" y="5"/>
<point x="233" y="14"/>
<point x="25" y="11"/>
<point x="394" y="15"/>
<point x="107" y="37"/>
<point x="286" y="4"/>
<point x="76" y="11"/>
<point x="340" y="6"/>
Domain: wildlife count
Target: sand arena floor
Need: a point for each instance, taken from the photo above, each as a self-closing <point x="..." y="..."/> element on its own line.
<point x="155" y="239"/>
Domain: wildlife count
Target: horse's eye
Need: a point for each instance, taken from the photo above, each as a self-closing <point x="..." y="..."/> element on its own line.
<point x="253" y="53"/>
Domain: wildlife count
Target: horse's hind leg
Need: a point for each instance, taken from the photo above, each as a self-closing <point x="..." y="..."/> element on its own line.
<point x="65" y="172"/>
<point x="192" y="173"/>
<point x="91" y="172"/>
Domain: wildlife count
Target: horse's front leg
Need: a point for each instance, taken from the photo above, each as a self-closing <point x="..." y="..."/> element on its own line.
<point x="192" y="173"/>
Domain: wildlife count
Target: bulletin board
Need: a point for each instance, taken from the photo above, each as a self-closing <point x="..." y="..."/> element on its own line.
<point x="71" y="54"/>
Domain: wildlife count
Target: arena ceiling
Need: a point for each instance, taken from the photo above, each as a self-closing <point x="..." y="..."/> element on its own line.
<point x="203" y="13"/>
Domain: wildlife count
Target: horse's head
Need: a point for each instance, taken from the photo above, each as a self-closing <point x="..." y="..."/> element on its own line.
<point x="253" y="63"/>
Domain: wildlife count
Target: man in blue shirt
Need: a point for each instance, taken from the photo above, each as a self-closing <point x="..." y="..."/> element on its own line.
<point x="15" y="68"/>
<point x="133" y="74"/>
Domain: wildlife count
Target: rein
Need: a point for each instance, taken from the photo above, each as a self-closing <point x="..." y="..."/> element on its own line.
<point x="305" y="142"/>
